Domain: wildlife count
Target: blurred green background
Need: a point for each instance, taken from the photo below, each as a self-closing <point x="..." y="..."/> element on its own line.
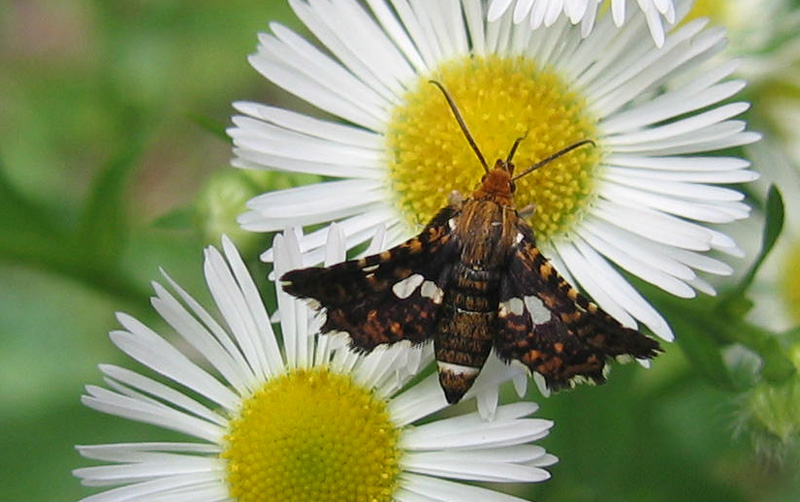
<point x="112" y="160"/>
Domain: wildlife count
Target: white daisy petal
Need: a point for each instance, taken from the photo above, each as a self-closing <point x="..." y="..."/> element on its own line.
<point x="265" y="137"/>
<point x="681" y="127"/>
<point x="439" y="490"/>
<point x="149" y="467"/>
<point x="497" y="8"/>
<point x="162" y="392"/>
<point x="684" y="164"/>
<point x="461" y="466"/>
<point x="669" y="105"/>
<point x="230" y="298"/>
<point x="339" y="198"/>
<point x="147" y="412"/>
<point x="655" y="226"/>
<point x="468" y="430"/>
<point x="357" y="229"/>
<point x="373" y="64"/>
<point x="136" y="452"/>
<point x="419" y="401"/>
<point x="153" y="351"/>
<point x="312" y="89"/>
<point x="148" y="490"/>
<point x="227" y="360"/>
<point x="639" y="267"/>
<point x="310" y="126"/>
<point x="637" y="198"/>
<point x="584" y="12"/>
<point x="655" y="182"/>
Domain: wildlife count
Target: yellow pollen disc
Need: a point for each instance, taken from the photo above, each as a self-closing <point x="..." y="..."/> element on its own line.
<point x="790" y="282"/>
<point x="501" y="99"/>
<point x="312" y="436"/>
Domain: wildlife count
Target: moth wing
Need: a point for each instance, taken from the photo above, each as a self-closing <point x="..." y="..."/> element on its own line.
<point x="553" y="329"/>
<point x="388" y="297"/>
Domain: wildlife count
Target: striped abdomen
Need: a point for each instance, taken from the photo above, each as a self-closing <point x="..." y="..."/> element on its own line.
<point x="464" y="334"/>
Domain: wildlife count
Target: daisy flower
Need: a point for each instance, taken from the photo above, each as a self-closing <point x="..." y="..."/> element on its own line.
<point x="585" y="12"/>
<point x="303" y="420"/>
<point x="643" y="198"/>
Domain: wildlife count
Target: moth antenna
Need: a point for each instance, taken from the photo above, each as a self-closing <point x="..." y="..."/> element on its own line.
<point x="553" y="157"/>
<point x="514" y="147"/>
<point x="462" y="124"/>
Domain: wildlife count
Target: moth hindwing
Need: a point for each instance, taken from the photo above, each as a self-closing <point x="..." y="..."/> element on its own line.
<point x="473" y="280"/>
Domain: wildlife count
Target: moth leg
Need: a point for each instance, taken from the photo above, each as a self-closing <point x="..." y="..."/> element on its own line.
<point x="455" y="198"/>
<point x="527" y="210"/>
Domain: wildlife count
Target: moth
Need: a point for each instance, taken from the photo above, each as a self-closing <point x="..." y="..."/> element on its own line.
<point x="473" y="280"/>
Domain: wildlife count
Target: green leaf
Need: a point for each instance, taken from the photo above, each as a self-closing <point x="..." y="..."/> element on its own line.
<point x="27" y="234"/>
<point x="18" y="214"/>
<point x="700" y="347"/>
<point x="735" y="303"/>
<point x="104" y="226"/>
<point x="211" y="125"/>
<point x="178" y="219"/>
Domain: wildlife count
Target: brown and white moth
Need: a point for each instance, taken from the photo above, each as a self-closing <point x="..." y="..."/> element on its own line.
<point x="473" y="280"/>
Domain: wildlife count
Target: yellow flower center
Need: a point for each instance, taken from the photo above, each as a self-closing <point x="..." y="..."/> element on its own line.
<point x="790" y="282"/>
<point x="501" y="99"/>
<point x="312" y="435"/>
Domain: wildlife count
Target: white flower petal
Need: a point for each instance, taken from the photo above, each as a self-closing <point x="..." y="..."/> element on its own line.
<point x="680" y="127"/>
<point x="365" y="51"/>
<point x="153" y="466"/>
<point x="162" y="392"/>
<point x="151" y="350"/>
<point x="656" y="226"/>
<point x="305" y="125"/>
<point x="303" y="205"/>
<point x="636" y="198"/>
<point x="439" y="490"/>
<point x="357" y="229"/>
<point x="469" y="431"/>
<point x="148" y="490"/>
<point x="633" y="264"/>
<point x="219" y="351"/>
<point x="463" y="465"/>
<point x="138" y="452"/>
<point x="684" y="163"/>
<point x="425" y="398"/>
<point x="230" y="298"/>
<point x="152" y="413"/>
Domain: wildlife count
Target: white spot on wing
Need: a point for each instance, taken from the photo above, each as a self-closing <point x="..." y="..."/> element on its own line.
<point x="451" y="223"/>
<point x="431" y="290"/>
<point x="371" y="268"/>
<point x="519" y="238"/>
<point x="539" y="312"/>
<point x="457" y="369"/>
<point x="511" y="306"/>
<point x="404" y="288"/>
